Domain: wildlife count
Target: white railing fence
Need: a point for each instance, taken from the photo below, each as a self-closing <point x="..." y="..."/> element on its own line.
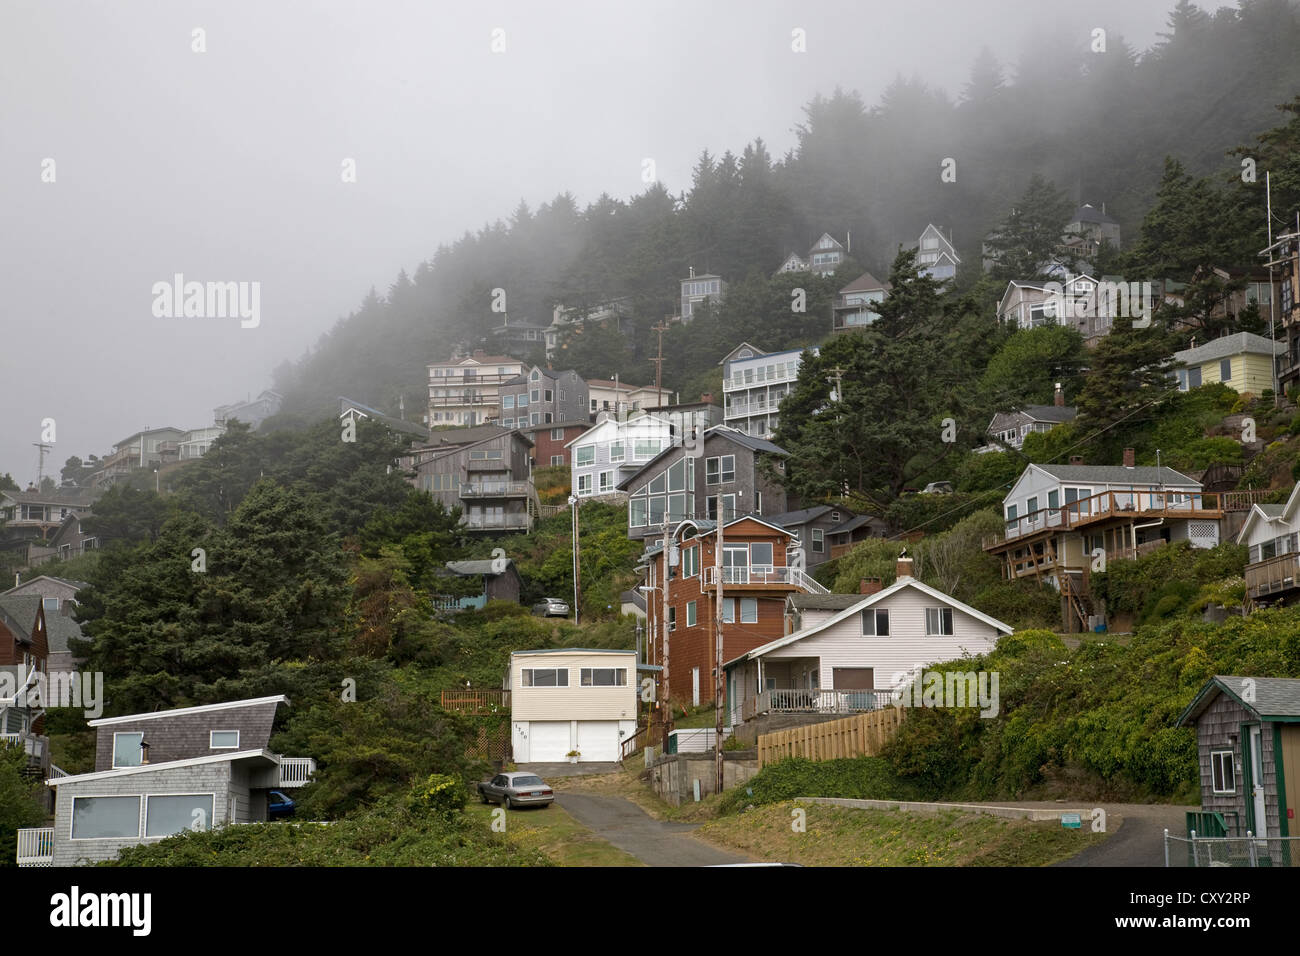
<point x="296" y="771"/>
<point x="36" y="847"/>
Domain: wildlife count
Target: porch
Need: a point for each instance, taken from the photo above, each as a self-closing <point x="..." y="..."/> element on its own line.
<point x="1274" y="578"/>
<point x="763" y="577"/>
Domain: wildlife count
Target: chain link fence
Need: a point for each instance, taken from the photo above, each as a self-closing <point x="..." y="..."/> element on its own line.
<point x="1198" y="851"/>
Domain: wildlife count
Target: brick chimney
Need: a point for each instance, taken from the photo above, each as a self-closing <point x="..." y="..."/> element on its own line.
<point x="1129" y="459"/>
<point x="1060" y="396"/>
<point x="706" y="398"/>
<point x="1076" y="459"/>
<point x="870" y="586"/>
<point x="904" y="565"/>
<point x="479" y="353"/>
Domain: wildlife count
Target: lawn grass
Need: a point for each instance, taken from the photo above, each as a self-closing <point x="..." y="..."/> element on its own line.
<point x="556" y="834"/>
<point x="842" y="836"/>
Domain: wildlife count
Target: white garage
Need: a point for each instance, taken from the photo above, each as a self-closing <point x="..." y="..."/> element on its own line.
<point x="572" y="699"/>
<point x="548" y="741"/>
<point x="598" y="740"/>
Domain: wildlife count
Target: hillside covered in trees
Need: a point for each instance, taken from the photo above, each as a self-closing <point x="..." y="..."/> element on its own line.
<point x="1096" y="126"/>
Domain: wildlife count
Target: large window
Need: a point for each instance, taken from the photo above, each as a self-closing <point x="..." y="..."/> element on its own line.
<point x="818" y="540"/>
<point x="584" y="484"/>
<point x="636" y="512"/>
<point x="617" y="451"/>
<point x="604" y="677"/>
<point x="223" y="740"/>
<point x="690" y="562"/>
<point x="1224" y="771"/>
<point x="646" y="448"/>
<point x="127" y="750"/>
<point x="875" y="622"/>
<point x="606" y="482"/>
<point x="105" y="818"/>
<point x="546" y="676"/>
<point x="508" y="401"/>
<point x="585" y="455"/>
<point x="760" y="554"/>
<point x="172" y="813"/>
<point x="1225" y="370"/>
<point x="938" y="621"/>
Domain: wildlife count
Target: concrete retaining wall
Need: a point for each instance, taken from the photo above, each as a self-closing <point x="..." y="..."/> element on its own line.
<point x="674" y="776"/>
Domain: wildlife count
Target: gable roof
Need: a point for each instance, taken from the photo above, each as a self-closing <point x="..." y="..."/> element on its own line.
<point x="743" y="345"/>
<point x="59" y="629"/>
<point x="752" y="442"/>
<point x="178" y="711"/>
<point x="18" y="612"/>
<point x="75" y="497"/>
<point x="1276" y="698"/>
<point x="48" y="577"/>
<point x="1239" y="343"/>
<point x="946" y="248"/>
<point x="865" y="283"/>
<point x="1258" y="513"/>
<point x="865" y="601"/>
<point x="665" y="426"/>
<point x="1116" y="474"/>
<point x="348" y="405"/>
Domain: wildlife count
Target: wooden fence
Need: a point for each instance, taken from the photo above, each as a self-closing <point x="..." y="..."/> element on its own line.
<point x="862" y="735"/>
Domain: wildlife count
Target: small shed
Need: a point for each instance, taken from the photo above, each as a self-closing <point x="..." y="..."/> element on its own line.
<point x="501" y="581"/>
<point x="1248" y="749"/>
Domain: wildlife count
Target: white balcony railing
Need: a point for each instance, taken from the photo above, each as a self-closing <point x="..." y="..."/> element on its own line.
<point x="296" y="771"/>
<point x="823" y="701"/>
<point x="756" y="574"/>
<point x="36" y="847"/>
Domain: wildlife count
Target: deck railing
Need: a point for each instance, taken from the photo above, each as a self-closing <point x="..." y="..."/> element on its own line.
<point x="486" y="701"/>
<point x="36" y="847"/>
<point x="495" y="489"/>
<point x="296" y="771"/>
<point x="818" y="701"/>
<point x="1272" y="575"/>
<point x="764" y="575"/>
<point x="1110" y="505"/>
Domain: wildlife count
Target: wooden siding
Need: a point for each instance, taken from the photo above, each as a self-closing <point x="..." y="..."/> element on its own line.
<point x="574" y="702"/>
<point x="1222" y="718"/>
<point x="180" y="736"/>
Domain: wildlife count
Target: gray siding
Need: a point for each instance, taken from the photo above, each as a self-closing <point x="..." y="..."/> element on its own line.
<point x="1222" y="718"/>
<point x="187" y="735"/>
<point x="211" y="778"/>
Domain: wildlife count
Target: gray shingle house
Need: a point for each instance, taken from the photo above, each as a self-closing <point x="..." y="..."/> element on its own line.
<point x="1248" y="748"/>
<point x="160" y="773"/>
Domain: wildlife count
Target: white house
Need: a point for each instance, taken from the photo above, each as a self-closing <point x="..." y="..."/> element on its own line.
<point x="935" y="255"/>
<point x="854" y="659"/>
<point x="1272" y="533"/>
<point x="753" y="384"/>
<point x="606" y="454"/>
<point x="572" y="699"/>
<point x="1058" y="516"/>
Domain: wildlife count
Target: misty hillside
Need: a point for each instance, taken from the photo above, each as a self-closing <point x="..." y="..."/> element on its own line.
<point x="1097" y="125"/>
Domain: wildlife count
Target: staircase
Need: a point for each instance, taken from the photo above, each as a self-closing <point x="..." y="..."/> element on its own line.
<point x="1076" y="601"/>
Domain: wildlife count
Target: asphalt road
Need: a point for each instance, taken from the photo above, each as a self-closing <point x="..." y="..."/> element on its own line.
<point x="628" y="827"/>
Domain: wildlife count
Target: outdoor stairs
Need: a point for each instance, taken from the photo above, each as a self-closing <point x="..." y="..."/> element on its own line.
<point x="1077" y="600"/>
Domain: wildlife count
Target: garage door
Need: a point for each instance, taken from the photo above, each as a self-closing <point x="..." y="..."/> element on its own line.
<point x="598" y="740"/>
<point x="548" y="741"/>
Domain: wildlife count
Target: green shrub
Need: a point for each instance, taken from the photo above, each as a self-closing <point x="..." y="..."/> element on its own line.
<point x="439" y="795"/>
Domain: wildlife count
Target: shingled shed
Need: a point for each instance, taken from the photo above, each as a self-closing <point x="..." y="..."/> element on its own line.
<point x="1248" y="749"/>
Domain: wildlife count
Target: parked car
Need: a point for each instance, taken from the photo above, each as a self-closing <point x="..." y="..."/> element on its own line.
<point x="279" y="805"/>
<point x="551" y="607"/>
<point x="513" y="790"/>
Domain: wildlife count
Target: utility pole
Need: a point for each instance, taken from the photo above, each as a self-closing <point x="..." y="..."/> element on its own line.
<point x="718" y="696"/>
<point x="573" y="503"/>
<point x="837" y="375"/>
<point x="661" y="328"/>
<point x="40" y="464"/>
<point x="1268" y="199"/>
<point x="663" y="587"/>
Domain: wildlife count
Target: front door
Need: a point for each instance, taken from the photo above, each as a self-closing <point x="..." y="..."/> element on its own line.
<point x="1257" y="782"/>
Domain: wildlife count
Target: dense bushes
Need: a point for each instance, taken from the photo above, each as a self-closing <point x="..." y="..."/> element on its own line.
<point x="863" y="778"/>
<point x="1161" y="584"/>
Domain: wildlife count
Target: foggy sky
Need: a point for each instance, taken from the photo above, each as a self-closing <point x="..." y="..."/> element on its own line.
<point x="225" y="165"/>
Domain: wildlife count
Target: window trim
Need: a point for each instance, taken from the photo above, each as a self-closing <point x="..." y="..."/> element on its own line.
<point x="692" y="614"/>
<point x="1216" y="765"/>
<point x="139" y="820"/>
<point x="875" y="613"/>
<point x="144" y="827"/>
<point x="213" y="746"/>
<point x="526" y="678"/>
<point x="127" y="733"/>
<point x="952" y="622"/>
<point x="586" y="674"/>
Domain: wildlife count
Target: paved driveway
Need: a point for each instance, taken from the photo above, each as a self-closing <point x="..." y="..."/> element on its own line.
<point x="628" y="827"/>
<point x="1137" y="832"/>
<point x="566" y="769"/>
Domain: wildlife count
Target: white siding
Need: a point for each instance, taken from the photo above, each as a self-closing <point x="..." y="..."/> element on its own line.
<point x="907" y="645"/>
<point x="574" y="702"/>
